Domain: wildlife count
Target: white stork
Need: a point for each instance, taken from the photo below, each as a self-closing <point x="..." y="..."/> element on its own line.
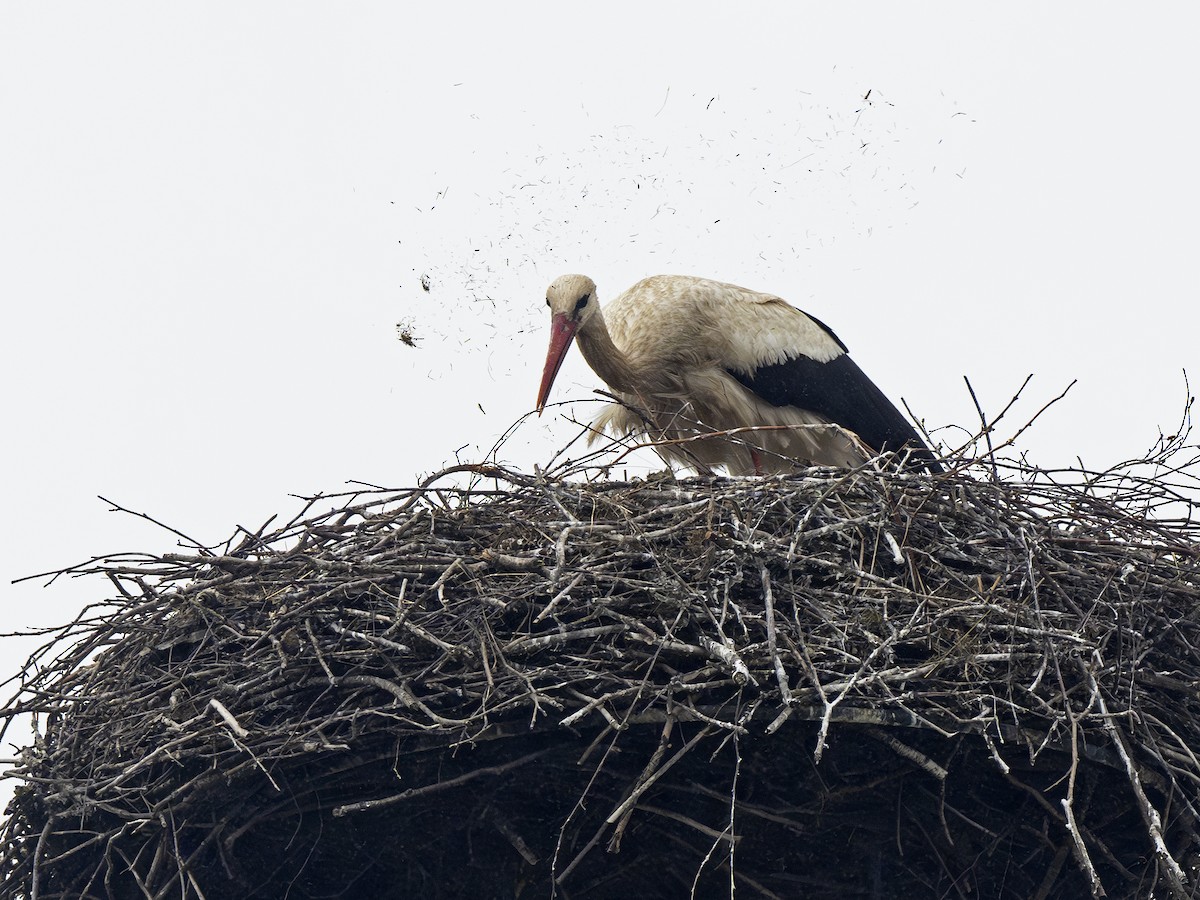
<point x="718" y="375"/>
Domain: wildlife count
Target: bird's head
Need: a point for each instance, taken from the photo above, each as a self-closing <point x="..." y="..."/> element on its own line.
<point x="572" y="301"/>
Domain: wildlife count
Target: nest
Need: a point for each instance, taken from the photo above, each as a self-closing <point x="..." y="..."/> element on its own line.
<point x="838" y="684"/>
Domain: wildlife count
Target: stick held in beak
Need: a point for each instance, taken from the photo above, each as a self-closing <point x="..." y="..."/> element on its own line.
<point x="562" y="334"/>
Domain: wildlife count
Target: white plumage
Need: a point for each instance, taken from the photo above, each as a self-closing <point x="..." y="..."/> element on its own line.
<point x="693" y="359"/>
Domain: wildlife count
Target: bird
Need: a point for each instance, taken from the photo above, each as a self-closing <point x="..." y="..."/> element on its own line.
<point x="717" y="375"/>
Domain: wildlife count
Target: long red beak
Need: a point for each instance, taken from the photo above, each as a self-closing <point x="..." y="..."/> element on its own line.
<point x="562" y="332"/>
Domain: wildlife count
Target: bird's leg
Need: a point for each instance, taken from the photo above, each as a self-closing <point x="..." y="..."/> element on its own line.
<point x="756" y="458"/>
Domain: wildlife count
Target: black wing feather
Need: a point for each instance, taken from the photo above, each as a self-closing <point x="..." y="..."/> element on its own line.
<point x="841" y="392"/>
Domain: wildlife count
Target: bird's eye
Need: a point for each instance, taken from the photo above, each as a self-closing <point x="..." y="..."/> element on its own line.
<point x="582" y="302"/>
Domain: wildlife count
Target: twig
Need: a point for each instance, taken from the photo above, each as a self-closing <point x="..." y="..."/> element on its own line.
<point x="412" y="793"/>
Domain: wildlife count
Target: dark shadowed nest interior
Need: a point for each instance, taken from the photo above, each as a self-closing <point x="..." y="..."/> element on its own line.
<point x="837" y="684"/>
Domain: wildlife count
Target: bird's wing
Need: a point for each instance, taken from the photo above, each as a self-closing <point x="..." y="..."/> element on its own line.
<point x="840" y="391"/>
<point x="679" y="320"/>
<point x="785" y="356"/>
<point x="790" y="358"/>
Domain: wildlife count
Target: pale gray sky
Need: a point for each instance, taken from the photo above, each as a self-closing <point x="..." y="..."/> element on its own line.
<point x="213" y="216"/>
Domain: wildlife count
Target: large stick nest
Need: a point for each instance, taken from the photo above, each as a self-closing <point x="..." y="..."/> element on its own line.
<point x="838" y="684"/>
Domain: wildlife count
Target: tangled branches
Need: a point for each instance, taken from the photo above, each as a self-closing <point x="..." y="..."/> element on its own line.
<point x="840" y="684"/>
